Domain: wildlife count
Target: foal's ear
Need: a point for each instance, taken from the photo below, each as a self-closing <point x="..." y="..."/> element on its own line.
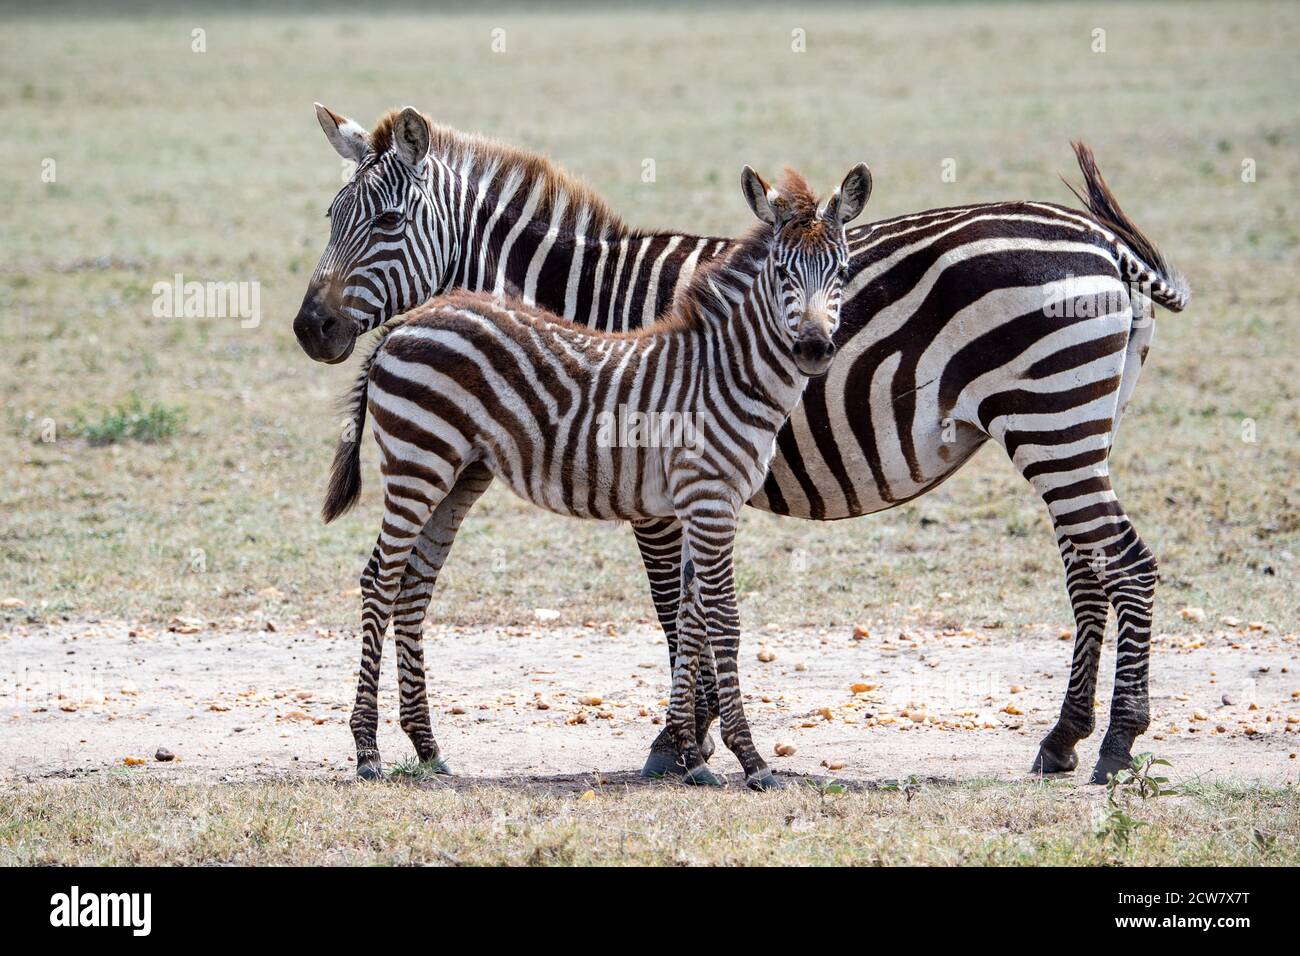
<point x="759" y="195"/>
<point x="347" y="137"/>
<point x="847" y="202"/>
<point x="411" y="137"/>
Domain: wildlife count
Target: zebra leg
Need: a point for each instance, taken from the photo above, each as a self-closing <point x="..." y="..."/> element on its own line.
<point x="1088" y="600"/>
<point x="412" y="605"/>
<point x="660" y="543"/>
<point x="1091" y="522"/>
<point x="1129" y="577"/>
<point x="691" y="635"/>
<point x="710" y="540"/>
<point x="404" y="518"/>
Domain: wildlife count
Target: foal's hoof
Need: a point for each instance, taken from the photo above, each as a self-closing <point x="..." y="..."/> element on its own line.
<point x="370" y="770"/>
<point x="1108" y="765"/>
<point x="702" y="777"/>
<point x="1048" y="761"/>
<point x="764" y="781"/>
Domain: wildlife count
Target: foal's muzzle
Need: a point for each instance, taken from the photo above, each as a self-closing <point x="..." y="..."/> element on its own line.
<point x="813" y="354"/>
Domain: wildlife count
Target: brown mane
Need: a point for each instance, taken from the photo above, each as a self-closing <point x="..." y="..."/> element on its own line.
<point x="797" y="204"/>
<point x="473" y="154"/>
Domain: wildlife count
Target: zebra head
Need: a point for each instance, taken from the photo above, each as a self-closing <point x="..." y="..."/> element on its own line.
<point x="390" y="247"/>
<point x="808" y="257"/>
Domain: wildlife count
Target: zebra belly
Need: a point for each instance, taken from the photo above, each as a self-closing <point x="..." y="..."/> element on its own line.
<point x="831" y="469"/>
<point x="611" y="484"/>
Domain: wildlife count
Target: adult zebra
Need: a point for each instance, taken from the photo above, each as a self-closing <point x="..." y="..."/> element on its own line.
<point x="1024" y="322"/>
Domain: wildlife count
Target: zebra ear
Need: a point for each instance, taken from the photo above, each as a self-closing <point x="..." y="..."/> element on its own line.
<point x="848" y="201"/>
<point x="759" y="195"/>
<point x="347" y="137"/>
<point x="411" y="137"/>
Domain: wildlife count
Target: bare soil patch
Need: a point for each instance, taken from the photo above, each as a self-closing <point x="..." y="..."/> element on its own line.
<point x="564" y="708"/>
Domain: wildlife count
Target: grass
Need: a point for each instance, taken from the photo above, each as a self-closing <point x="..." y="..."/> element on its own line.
<point x="211" y="165"/>
<point x="128" y="420"/>
<point x="979" y="822"/>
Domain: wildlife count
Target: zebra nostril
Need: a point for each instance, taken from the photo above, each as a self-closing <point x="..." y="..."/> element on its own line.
<point x="327" y="326"/>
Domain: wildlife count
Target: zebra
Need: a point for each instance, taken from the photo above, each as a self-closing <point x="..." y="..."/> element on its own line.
<point x="1022" y="322"/>
<point x="471" y="379"/>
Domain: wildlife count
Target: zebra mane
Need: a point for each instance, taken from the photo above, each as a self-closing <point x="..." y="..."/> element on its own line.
<point x="716" y="286"/>
<point x="579" y="206"/>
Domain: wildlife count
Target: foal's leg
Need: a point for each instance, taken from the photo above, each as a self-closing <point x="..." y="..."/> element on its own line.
<point x="710" y="538"/>
<point x="405" y="512"/>
<point x="412" y="605"/>
<point x="660" y="543"/>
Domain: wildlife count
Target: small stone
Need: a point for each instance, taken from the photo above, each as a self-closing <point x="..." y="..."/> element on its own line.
<point x="133" y="761"/>
<point x="766" y="655"/>
<point x="862" y="687"/>
<point x="860" y="633"/>
<point x="12" y="604"/>
<point x="1227" y="700"/>
<point x="546" y="614"/>
<point x="164" y="755"/>
<point x="833" y="764"/>
<point x="1013" y="710"/>
<point x="1199" y="714"/>
<point x="801" y="667"/>
<point x="1017" y="688"/>
<point x="783" y="749"/>
<point x="591" y="700"/>
<point x="1193" y="614"/>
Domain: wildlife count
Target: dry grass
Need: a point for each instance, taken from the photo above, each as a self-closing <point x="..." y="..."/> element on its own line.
<point x="317" y="823"/>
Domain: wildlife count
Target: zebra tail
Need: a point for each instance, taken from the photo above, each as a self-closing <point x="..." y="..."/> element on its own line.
<point x="1140" y="260"/>
<point x="345" y="474"/>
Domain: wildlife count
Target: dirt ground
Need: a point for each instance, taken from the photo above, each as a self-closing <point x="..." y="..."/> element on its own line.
<point x="234" y="704"/>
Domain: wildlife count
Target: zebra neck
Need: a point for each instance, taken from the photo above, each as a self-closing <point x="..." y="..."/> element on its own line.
<point x="615" y="280"/>
<point x="747" y="352"/>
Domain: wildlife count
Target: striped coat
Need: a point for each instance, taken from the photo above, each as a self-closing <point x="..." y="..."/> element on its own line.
<point x="1024" y="323"/>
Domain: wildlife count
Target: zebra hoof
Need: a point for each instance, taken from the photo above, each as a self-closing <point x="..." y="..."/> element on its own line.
<point x="1050" y="762"/>
<point x="702" y="777"/>
<point x="370" y="770"/>
<point x="1108" y="765"/>
<point x="707" y="746"/>
<point x="660" y="764"/>
<point x="436" y="765"/>
<point x="764" y="781"/>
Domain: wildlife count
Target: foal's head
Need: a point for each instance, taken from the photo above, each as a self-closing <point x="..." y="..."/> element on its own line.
<point x="808" y="257"/>
<point x="388" y="249"/>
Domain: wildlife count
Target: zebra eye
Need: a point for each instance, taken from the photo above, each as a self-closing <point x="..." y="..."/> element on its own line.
<point x="782" y="271"/>
<point x="389" y="220"/>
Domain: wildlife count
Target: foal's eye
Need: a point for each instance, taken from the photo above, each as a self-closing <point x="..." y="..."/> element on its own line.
<point x="389" y="220"/>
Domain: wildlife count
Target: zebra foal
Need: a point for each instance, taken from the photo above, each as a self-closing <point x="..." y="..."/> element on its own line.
<point x="476" y="382"/>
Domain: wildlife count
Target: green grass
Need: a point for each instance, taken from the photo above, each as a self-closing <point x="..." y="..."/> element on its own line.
<point x="211" y="165"/>
<point x="936" y="823"/>
<point x="128" y="420"/>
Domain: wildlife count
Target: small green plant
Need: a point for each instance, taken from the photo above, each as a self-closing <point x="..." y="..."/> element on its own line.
<point x="413" y="770"/>
<point x="128" y="420"/>
<point x="908" y="788"/>
<point x="1118" y="826"/>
